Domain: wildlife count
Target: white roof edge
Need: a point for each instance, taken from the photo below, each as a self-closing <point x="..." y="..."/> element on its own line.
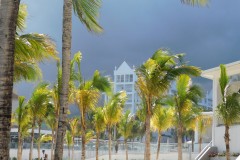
<point x="208" y="73"/>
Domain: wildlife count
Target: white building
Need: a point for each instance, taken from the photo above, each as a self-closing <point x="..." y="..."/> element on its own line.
<point x="125" y="79"/>
<point x="233" y="70"/>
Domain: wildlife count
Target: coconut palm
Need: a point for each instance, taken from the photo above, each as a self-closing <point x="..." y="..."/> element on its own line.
<point x="203" y="122"/>
<point x="86" y="97"/>
<point x="125" y="127"/>
<point x="184" y="101"/>
<point x="229" y="109"/>
<point x="99" y="125"/>
<point x="112" y="113"/>
<point x="21" y="118"/>
<point x="43" y="138"/>
<point x="73" y="125"/>
<point x="160" y="122"/>
<point x="37" y="106"/>
<point x="69" y="141"/>
<point x="87" y="12"/>
<point x="52" y="124"/>
<point x="30" y="50"/>
<point x="154" y="79"/>
<point x="196" y="2"/>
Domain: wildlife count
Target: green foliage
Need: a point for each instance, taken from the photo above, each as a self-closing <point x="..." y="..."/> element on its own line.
<point x="162" y="119"/>
<point x="98" y="120"/>
<point x="126" y="124"/>
<point x="68" y="138"/>
<point x="30" y="50"/>
<point x="88" y="11"/>
<point x="113" y="110"/>
<point x="229" y="109"/>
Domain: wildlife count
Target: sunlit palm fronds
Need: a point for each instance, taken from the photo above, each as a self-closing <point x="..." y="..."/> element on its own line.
<point x="88" y="12"/>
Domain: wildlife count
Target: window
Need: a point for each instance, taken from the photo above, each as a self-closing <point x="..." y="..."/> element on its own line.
<point x="129" y="97"/>
<point x="119" y="87"/>
<point x="118" y="78"/>
<point x="122" y="78"/>
<point x="128" y="78"/>
<point x="128" y="87"/>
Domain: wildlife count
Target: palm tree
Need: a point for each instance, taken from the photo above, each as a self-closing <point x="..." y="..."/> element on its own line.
<point x="98" y="121"/>
<point x="73" y="125"/>
<point x="184" y="101"/>
<point x="229" y="109"/>
<point x="69" y="141"/>
<point x="196" y="2"/>
<point x="52" y="124"/>
<point x="8" y="18"/>
<point x="154" y="78"/>
<point x="161" y="121"/>
<point x="203" y="122"/>
<point x="125" y="128"/>
<point x="87" y="12"/>
<point x="112" y="114"/>
<point x="30" y="50"/>
<point x="87" y="96"/>
<point x="22" y="119"/>
<point x="37" y="106"/>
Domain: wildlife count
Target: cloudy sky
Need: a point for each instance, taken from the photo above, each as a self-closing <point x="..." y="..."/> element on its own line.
<point x="134" y="29"/>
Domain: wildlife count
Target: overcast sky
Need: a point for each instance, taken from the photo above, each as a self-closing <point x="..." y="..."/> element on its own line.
<point x="134" y="29"/>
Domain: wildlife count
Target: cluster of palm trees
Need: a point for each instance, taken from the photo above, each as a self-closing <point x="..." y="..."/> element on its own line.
<point x="11" y="43"/>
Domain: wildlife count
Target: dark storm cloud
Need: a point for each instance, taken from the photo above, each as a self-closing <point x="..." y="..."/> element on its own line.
<point x="134" y="29"/>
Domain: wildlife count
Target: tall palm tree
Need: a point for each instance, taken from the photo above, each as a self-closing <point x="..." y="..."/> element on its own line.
<point x="87" y="12"/>
<point x="8" y="18"/>
<point x="160" y="122"/>
<point x="154" y="78"/>
<point x="37" y="106"/>
<point x="229" y="109"/>
<point x="21" y="118"/>
<point x="125" y="128"/>
<point x="52" y="124"/>
<point x="69" y="141"/>
<point x="184" y="101"/>
<point x="112" y="113"/>
<point x="99" y="125"/>
<point x="203" y="122"/>
<point x="87" y="96"/>
<point x="73" y="125"/>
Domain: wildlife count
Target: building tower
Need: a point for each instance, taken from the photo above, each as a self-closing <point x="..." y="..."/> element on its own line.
<point x="124" y="79"/>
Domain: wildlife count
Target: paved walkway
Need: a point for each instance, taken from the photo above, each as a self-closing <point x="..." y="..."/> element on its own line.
<point x="119" y="156"/>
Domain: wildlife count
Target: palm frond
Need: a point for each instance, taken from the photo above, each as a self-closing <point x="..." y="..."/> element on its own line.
<point x="22" y="15"/>
<point x="88" y="13"/>
<point x="202" y="3"/>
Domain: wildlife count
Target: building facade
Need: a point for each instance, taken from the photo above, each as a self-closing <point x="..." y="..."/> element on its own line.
<point x="218" y="129"/>
<point x="125" y="79"/>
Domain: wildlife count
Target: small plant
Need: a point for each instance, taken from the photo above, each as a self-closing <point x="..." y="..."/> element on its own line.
<point x="14" y="158"/>
<point x="235" y="154"/>
<point x="223" y="154"/>
<point x="213" y="154"/>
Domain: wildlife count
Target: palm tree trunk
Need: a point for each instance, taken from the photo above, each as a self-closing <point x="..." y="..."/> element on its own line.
<point x="97" y="144"/>
<point x="31" y="144"/>
<point x="179" y="142"/>
<point x="126" y="148"/>
<point x="109" y="143"/>
<point x="73" y="147"/>
<point x="69" y="152"/>
<point x="66" y="53"/>
<point x="159" y="143"/>
<point x="227" y="139"/>
<point x="147" y="143"/>
<point x="83" y="130"/>
<point x="200" y="144"/>
<point x="39" y="143"/>
<point x="52" y="147"/>
<point x="8" y="18"/>
<point x="19" y="155"/>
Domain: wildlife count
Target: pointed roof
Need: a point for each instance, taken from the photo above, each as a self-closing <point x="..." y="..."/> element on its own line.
<point x="124" y="68"/>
